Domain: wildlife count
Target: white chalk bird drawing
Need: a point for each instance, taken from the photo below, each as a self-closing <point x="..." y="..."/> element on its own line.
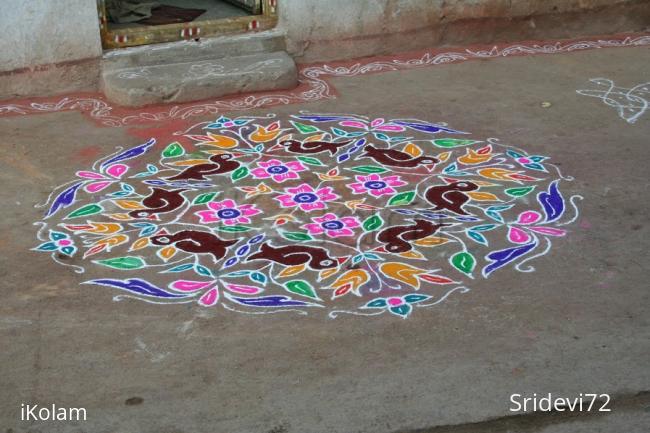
<point x="631" y="103"/>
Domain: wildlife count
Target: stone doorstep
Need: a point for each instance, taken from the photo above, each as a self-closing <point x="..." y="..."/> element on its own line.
<point x="189" y="51"/>
<point x="195" y="80"/>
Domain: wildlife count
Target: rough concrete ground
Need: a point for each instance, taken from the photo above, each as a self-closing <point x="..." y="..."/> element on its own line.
<point x="578" y="324"/>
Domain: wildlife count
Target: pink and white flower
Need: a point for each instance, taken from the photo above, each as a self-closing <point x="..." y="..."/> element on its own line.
<point x="332" y="225"/>
<point x="277" y="170"/>
<point x="306" y="197"/>
<point x="228" y="212"/>
<point x="376" y="185"/>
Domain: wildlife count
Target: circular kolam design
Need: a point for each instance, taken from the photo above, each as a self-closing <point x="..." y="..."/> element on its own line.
<point x="313" y="213"/>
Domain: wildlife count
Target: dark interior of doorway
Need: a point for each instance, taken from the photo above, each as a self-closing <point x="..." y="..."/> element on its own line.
<point x="177" y="11"/>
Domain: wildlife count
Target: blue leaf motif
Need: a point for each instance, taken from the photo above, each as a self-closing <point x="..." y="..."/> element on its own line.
<point x="451" y="168"/>
<point x="343" y="157"/>
<point x="414" y="298"/>
<point x="401" y="310"/>
<point x="535" y="166"/>
<point x="271" y="301"/>
<point x="513" y="154"/>
<point x="180" y="268"/>
<point x="427" y="127"/>
<point x="376" y="303"/>
<point x="47" y="246"/>
<point x="503" y="257"/>
<point x="339" y="132"/>
<point x="494" y="212"/>
<point x="130" y="153"/>
<point x="202" y="270"/>
<point x="483" y="228"/>
<point x="63" y="200"/>
<point x="476" y="236"/>
<point x="552" y="202"/>
<point x="55" y="236"/>
<point x="136" y="285"/>
<point x="325" y="118"/>
<point x="236" y="274"/>
<point x="259" y="277"/>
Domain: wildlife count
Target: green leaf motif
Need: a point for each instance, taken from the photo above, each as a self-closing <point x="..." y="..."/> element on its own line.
<point x="304" y="129"/>
<point x="89" y="209"/>
<point x="129" y="262"/>
<point x="173" y="150"/>
<point x="373" y="223"/>
<point x="519" y="192"/>
<point x="464" y="262"/>
<point x="240" y="173"/>
<point x="449" y="143"/>
<point x="368" y="169"/>
<point x="309" y="160"/>
<point x="233" y="229"/>
<point x="204" y="198"/>
<point x="297" y="236"/>
<point x="402" y="198"/>
<point x="302" y="288"/>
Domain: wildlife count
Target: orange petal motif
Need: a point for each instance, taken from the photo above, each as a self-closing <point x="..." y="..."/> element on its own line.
<point x="473" y="157"/>
<point x="263" y="135"/>
<point x="496" y="173"/>
<point x="291" y="270"/>
<point x="412" y="255"/>
<point x="167" y="253"/>
<point x="128" y="204"/>
<point x="405" y="273"/>
<point x="112" y="241"/>
<point x="100" y="228"/>
<point x="139" y="244"/>
<point x="221" y="141"/>
<point x="413" y="150"/>
<point x="351" y="281"/>
<point x="483" y="196"/>
<point x="317" y="137"/>
<point x="431" y="241"/>
<point x="190" y="162"/>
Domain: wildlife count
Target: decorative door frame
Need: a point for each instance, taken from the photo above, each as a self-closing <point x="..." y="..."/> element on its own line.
<point x="130" y="37"/>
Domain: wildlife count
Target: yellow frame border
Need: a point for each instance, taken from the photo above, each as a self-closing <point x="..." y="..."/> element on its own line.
<point x="131" y="37"/>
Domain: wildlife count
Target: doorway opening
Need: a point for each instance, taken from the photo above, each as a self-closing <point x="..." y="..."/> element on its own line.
<point x="127" y="23"/>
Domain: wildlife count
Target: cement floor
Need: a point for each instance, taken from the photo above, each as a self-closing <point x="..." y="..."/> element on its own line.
<point x="578" y="324"/>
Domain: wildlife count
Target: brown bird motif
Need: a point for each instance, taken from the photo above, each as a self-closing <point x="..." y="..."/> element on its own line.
<point x="397" y="239"/>
<point x="219" y="164"/>
<point x="159" y="201"/>
<point x="292" y="255"/>
<point x="197" y="242"/>
<point x="396" y="158"/>
<point x="313" y="146"/>
<point x="450" y="197"/>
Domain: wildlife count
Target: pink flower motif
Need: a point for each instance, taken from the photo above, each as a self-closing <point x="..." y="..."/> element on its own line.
<point x="306" y="197"/>
<point x="278" y="170"/>
<point x="376" y="185"/>
<point x="228" y="212"/>
<point x="332" y="225"/>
